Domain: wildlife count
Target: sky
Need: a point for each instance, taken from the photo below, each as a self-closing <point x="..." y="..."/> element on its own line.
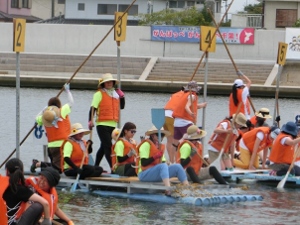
<point x="238" y="5"/>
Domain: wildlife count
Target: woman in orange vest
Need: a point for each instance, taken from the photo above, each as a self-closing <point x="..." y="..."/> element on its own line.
<point x="240" y="93"/>
<point x="226" y="130"/>
<point x="106" y="103"/>
<point x="282" y="153"/>
<point x="252" y="143"/>
<point x="260" y="117"/>
<point x="14" y="195"/>
<point x="151" y="169"/>
<point x="169" y="123"/>
<point x="45" y="187"/>
<point x="74" y="150"/>
<point x="56" y="121"/>
<point x="186" y="111"/>
<point x="123" y="152"/>
<point x="190" y="152"/>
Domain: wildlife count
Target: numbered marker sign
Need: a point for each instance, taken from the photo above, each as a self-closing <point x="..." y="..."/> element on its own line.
<point x="207" y="41"/>
<point x="282" y="47"/>
<point x="120" y="27"/>
<point x="19" y="35"/>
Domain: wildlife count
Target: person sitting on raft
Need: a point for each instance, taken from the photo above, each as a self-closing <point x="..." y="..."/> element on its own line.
<point x="190" y="155"/>
<point x="74" y="150"/>
<point x="123" y="153"/>
<point x="251" y="143"/>
<point x="45" y="186"/>
<point x="151" y="169"/>
<point x="260" y="117"/>
<point x="283" y="151"/>
<point x="14" y="195"/>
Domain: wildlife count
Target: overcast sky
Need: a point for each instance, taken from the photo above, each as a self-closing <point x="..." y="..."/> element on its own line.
<point x="238" y="5"/>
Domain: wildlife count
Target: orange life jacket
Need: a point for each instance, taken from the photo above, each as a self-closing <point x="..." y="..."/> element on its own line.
<point x="179" y="110"/>
<point x="250" y="137"/>
<point x="196" y="162"/>
<point x="52" y="197"/>
<point x="173" y="101"/>
<point x="127" y="147"/>
<point x="108" y="108"/>
<point x="77" y="153"/>
<point x="233" y="107"/>
<point x="281" y="153"/>
<point x="4" y="184"/>
<point x="217" y="140"/>
<point x="153" y="151"/>
<point x="60" y="133"/>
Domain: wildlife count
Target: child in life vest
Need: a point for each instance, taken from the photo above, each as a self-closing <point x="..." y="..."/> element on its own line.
<point x="123" y="152"/>
<point x="45" y="187"/>
<point x="190" y="156"/>
<point x="14" y="195"/>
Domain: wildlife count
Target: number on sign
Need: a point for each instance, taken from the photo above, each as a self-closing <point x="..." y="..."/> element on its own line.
<point x="19" y="35"/>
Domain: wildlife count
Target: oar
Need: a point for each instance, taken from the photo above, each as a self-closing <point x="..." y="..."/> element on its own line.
<point x="158" y="120"/>
<point x="282" y="182"/>
<point x="228" y="52"/>
<point x="87" y="58"/>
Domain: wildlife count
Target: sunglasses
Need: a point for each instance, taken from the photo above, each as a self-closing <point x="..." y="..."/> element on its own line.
<point x="133" y="131"/>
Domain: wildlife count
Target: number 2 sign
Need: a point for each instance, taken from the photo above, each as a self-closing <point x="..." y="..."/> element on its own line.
<point x="19" y="35"/>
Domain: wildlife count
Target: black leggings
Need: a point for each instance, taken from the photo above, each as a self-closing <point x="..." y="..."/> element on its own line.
<point x="212" y="171"/>
<point x="32" y="215"/>
<point x="294" y="171"/>
<point x="104" y="134"/>
<point x="87" y="171"/>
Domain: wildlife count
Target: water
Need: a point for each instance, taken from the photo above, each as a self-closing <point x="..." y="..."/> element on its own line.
<point x="276" y="208"/>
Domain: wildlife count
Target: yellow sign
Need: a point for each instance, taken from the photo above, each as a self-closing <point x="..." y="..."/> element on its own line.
<point x="120" y="27"/>
<point x="19" y="35"/>
<point x="282" y="47"/>
<point x="207" y="41"/>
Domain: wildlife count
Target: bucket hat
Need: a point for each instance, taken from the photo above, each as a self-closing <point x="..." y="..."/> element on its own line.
<point x="154" y="130"/>
<point x="52" y="176"/>
<point x="115" y="134"/>
<point x="193" y="86"/>
<point x="240" y="119"/>
<point x="107" y="77"/>
<point x="290" y="128"/>
<point x="263" y="113"/>
<point x="77" y="129"/>
<point x="51" y="116"/>
<point x="194" y="133"/>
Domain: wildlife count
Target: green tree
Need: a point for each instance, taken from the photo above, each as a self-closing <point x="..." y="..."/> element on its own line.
<point x="254" y="9"/>
<point x="297" y="23"/>
<point x="188" y="17"/>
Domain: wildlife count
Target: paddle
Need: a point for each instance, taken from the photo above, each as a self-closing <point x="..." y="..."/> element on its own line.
<point x="77" y="70"/>
<point x="282" y="182"/>
<point x="158" y="120"/>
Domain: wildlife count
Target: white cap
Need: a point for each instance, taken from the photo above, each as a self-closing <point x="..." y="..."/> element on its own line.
<point x="238" y="83"/>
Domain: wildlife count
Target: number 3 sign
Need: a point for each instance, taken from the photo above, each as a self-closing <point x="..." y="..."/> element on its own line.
<point x="19" y="35"/>
<point x="120" y="27"/>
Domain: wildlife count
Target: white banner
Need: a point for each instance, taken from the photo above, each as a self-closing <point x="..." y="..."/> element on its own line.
<point x="39" y="135"/>
<point x="292" y="38"/>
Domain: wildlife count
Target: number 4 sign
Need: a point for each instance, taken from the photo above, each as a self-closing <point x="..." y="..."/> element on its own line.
<point x="208" y="39"/>
<point x="282" y="47"/>
<point x="19" y="35"/>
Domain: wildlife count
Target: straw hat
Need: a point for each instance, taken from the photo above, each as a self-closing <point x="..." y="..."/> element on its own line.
<point x="154" y="130"/>
<point x="290" y="128"/>
<point x="240" y="119"/>
<point x="263" y="113"/>
<point x="77" y="129"/>
<point x="194" y="133"/>
<point x="51" y="116"/>
<point x="106" y="77"/>
<point x="193" y="86"/>
<point x="115" y="134"/>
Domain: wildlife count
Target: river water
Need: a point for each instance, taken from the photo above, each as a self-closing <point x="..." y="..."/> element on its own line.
<point x="276" y="208"/>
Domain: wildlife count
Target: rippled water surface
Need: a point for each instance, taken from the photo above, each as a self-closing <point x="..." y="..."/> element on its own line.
<point x="276" y="208"/>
